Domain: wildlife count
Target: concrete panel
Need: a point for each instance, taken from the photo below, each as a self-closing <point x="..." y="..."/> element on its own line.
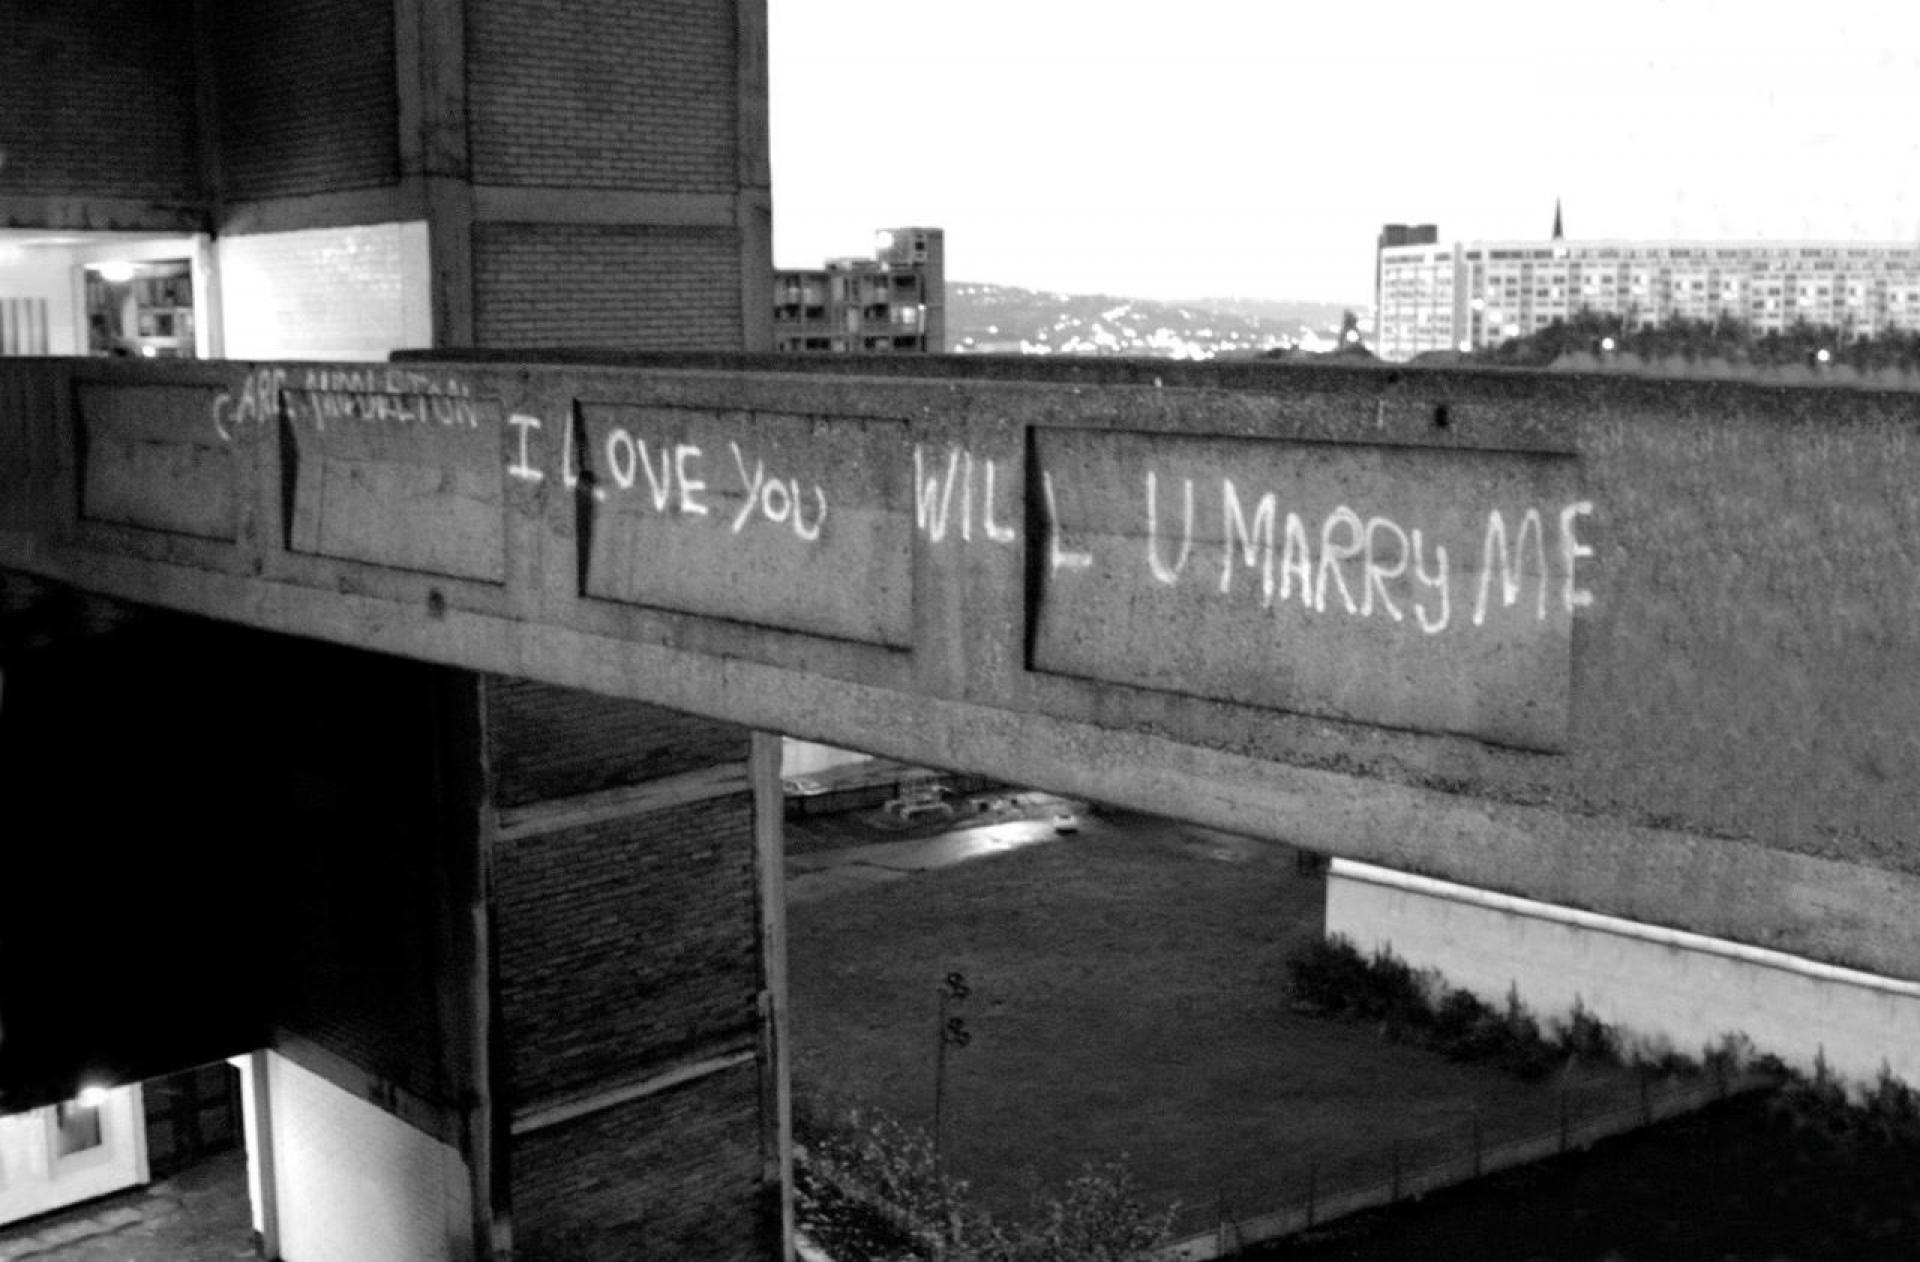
<point x="395" y="468"/>
<point x="1407" y="587"/>
<point x="796" y="522"/>
<point x="149" y="460"/>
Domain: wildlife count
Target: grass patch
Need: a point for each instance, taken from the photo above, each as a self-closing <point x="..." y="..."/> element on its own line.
<point x="1128" y="997"/>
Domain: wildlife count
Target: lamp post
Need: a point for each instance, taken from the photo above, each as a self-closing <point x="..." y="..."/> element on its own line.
<point x="951" y="1031"/>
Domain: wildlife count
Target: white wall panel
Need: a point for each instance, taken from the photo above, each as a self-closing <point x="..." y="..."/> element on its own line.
<point x="353" y="1183"/>
<point x="351" y="293"/>
<point x="1661" y="984"/>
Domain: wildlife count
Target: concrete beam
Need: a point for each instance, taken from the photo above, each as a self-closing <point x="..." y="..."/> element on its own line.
<point x="1666" y="669"/>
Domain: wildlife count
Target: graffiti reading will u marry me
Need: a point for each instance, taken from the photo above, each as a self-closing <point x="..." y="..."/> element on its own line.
<point x="1216" y="537"/>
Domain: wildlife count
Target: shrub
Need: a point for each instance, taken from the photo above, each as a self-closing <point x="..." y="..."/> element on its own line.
<point x="894" y="1164"/>
<point x="884" y="1193"/>
<point x="1586" y="1036"/>
<point x="1326" y="973"/>
<point x="1330" y="974"/>
<point x="1461" y="1022"/>
<point x="1098" y="1217"/>
<point x="1891" y="1110"/>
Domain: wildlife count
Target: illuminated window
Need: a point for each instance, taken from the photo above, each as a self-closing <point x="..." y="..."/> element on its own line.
<point x="76" y="1128"/>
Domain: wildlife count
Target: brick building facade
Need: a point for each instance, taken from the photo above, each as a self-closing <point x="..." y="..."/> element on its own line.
<point x="596" y="174"/>
<point x="526" y="974"/>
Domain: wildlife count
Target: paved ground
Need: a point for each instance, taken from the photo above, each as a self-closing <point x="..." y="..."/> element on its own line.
<point x="882" y="850"/>
<point x="199" y="1215"/>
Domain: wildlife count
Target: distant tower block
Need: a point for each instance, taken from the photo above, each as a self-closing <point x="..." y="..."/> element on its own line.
<point x="894" y="301"/>
<point x="923" y="250"/>
<point x="1392" y="236"/>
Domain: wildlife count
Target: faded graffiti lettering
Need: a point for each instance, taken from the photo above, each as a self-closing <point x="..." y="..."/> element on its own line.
<point x="320" y="396"/>
<point x="259" y="399"/>
<point x="391" y="396"/>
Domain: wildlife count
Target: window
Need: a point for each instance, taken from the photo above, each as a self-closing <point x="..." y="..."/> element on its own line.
<point x="76" y="1128"/>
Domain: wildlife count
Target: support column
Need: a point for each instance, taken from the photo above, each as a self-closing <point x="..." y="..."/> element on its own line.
<point x="638" y="980"/>
<point x="755" y="201"/>
<point x="776" y="1066"/>
<point x="431" y="69"/>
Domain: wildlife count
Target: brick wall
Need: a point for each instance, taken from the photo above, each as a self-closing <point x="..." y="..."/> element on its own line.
<point x="625" y="944"/>
<point x="627" y="954"/>
<point x="657" y="288"/>
<point x="97" y="98"/>
<point x="547" y="742"/>
<point x="675" y="1175"/>
<point x="307" y="95"/>
<point x="633" y="95"/>
<point x="352" y="838"/>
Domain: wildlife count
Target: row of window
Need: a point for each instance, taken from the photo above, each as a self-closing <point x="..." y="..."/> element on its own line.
<point x="1431" y="331"/>
<point x="1752" y="255"/>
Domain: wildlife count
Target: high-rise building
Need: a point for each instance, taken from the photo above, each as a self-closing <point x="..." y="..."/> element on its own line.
<point x="894" y="301"/>
<point x="1392" y="236"/>
<point x="1468" y="295"/>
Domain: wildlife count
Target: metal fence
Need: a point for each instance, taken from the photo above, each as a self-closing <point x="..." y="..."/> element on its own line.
<point x="1472" y="1146"/>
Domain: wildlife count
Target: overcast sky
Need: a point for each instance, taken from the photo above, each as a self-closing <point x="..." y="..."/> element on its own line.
<point x="1189" y="148"/>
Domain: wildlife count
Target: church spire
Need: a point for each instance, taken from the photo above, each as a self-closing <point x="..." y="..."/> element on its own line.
<point x="1559" y="233"/>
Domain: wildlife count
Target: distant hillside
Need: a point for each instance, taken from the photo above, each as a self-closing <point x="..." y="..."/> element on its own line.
<point x="1002" y="319"/>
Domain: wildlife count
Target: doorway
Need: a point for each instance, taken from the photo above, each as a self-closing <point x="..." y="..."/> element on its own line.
<point x="144" y="309"/>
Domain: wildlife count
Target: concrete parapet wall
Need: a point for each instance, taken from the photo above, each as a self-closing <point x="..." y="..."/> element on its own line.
<point x="1666" y="669"/>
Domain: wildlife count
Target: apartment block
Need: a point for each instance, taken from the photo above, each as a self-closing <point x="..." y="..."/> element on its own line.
<point x="894" y="301"/>
<point x="1464" y="296"/>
